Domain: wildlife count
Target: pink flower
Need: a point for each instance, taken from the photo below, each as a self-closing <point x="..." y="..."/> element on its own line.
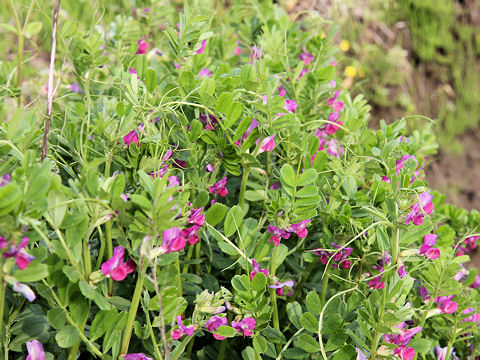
<point x="4" y="180"/>
<point x="35" y="350"/>
<point x="281" y="91"/>
<point x="172" y="240"/>
<point x="247" y="133"/>
<point x="441" y="353"/>
<point x="257" y="269"/>
<point x="115" y="268"/>
<point x="219" y="188"/>
<point x="403" y="337"/>
<point x="275" y="186"/>
<point x="306" y="57"/>
<point x="210" y="168"/>
<point x="238" y="50"/>
<point x="22" y="259"/>
<point x="400" y="163"/>
<point x="300" y="229"/>
<point x="137" y="356"/>
<point x="268" y="144"/>
<point x="290" y="105"/>
<point x="472" y="318"/>
<point x="191" y="234"/>
<point x="173" y="181"/>
<point x="214" y="323"/>
<point x="427" y="248"/>
<point x="333" y="148"/>
<point x="256" y="53"/>
<point x="418" y="210"/>
<point x="277" y="234"/>
<point x="196" y="217"/>
<point x="279" y="286"/>
<point x="24" y="290"/>
<point x="202" y="47"/>
<point x="176" y="65"/>
<point x="75" y="88"/>
<point x="142" y="46"/>
<point x="182" y="329"/>
<point x="375" y="283"/>
<point x="3" y="242"/>
<point x="401" y="271"/>
<point x="159" y="173"/>
<point x="204" y="72"/>
<point x="245" y="326"/>
<point x="131" y="137"/>
<point x="446" y="305"/>
<point x="406" y="353"/>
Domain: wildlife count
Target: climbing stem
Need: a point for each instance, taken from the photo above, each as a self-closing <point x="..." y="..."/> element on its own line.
<point x="243" y="186"/>
<point x="134" y="307"/>
<point x="326" y="277"/>
<point x="179" y="276"/>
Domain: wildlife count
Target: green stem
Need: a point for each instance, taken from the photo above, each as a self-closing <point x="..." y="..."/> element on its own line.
<point x="221" y="352"/>
<point x="376" y="338"/>
<point x="86" y="258"/>
<point x="243" y="186"/>
<point x="132" y="313"/>
<point x="2" y="303"/>
<point x="102" y="248"/>
<point x="273" y="297"/>
<point x="198" y="254"/>
<point x="326" y="277"/>
<point x="152" y="336"/>
<point x="187" y="259"/>
<point x="179" y="276"/>
<point x="108" y="233"/>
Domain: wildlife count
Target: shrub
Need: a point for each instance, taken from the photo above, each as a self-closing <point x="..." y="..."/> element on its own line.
<point x="223" y="196"/>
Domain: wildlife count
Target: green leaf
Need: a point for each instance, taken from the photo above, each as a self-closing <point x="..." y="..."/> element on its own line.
<point x="287" y="175"/>
<point x="226" y="331"/>
<point x="259" y="282"/>
<point x="67" y="337"/>
<point x="10" y="196"/>
<point x="57" y="213"/>
<point x="187" y="80"/>
<point x="33" y="28"/>
<point x="142" y="202"/>
<point x="307" y="177"/>
<point x="233" y="220"/>
<point x="274" y="335"/>
<point x="71" y="273"/>
<point x="118" y="185"/>
<point x="307" y="192"/>
<point x="294" y="312"/>
<point x="34" y="272"/>
<point x="346" y="353"/>
<point x="57" y="318"/>
<point x="224" y="102"/>
<point x="421" y="345"/>
<point x="313" y="302"/>
<point x="259" y="344"/>
<point x="308" y="343"/>
<point x="195" y="130"/>
<point x="151" y="80"/>
<point x="249" y="354"/>
<point x="89" y="292"/>
<point x="238" y="284"/>
<point x="215" y="214"/>
<point x="309" y="322"/>
<point x="233" y="114"/>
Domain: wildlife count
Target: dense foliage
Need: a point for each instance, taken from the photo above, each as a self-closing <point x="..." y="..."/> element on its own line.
<point x="211" y="191"/>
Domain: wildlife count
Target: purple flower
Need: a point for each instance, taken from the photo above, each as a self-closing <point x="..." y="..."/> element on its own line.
<point x="35" y="350"/>
<point x="210" y="168"/>
<point x="204" y="72"/>
<point x="399" y="165"/>
<point x="339" y="257"/>
<point x="476" y="283"/>
<point x="376" y="283"/>
<point x="3" y="242"/>
<point x="268" y="144"/>
<point x="214" y="323"/>
<point x="401" y="271"/>
<point x="142" y="46"/>
<point x="115" y="268"/>
<point x="159" y="173"/>
<point x="279" y="286"/>
<point x="202" y="47"/>
<point x="277" y="234"/>
<point x="176" y="65"/>
<point x="196" y="217"/>
<point x="131" y="137"/>
<point x="306" y="57"/>
<point x="290" y="105"/>
<point x="137" y="356"/>
<point x="257" y="269"/>
<point x="418" y="210"/>
<point x="132" y="71"/>
<point x="282" y="91"/>
<point x="403" y="337"/>
<point x="24" y="290"/>
<point x="191" y="234"/>
<point x="441" y="353"/>
<point x="182" y="329"/>
<point x="472" y="318"/>
<point x="362" y="354"/>
<point x="246" y="326"/>
<point x="22" y="259"/>
<point x="300" y="229"/>
<point x="275" y="186"/>
<point x="334" y="148"/>
<point x="4" y="180"/>
<point x="256" y="53"/>
<point x="219" y="188"/>
<point x="427" y="248"/>
<point x="173" y="181"/>
<point x="424" y="294"/>
<point x="75" y="88"/>
<point x="247" y="133"/>
<point x="446" y="305"/>
<point x="172" y="240"/>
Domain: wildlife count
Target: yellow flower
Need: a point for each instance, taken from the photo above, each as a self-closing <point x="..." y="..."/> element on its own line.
<point x="344" y="45"/>
<point x="350" y="71"/>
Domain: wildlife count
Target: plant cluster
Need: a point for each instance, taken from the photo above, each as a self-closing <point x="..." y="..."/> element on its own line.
<point x="212" y="191"/>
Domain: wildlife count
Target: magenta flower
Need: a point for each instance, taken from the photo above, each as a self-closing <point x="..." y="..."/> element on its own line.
<point x="182" y="329"/>
<point x="219" y="188"/>
<point x="238" y="50"/>
<point x="472" y="318"/>
<point x="257" y="269"/>
<point x="333" y="98"/>
<point x="24" y="290"/>
<point x="441" y="353"/>
<point x="196" y="217"/>
<point x="75" y="88"/>
<point x="191" y="234"/>
<point x="405" y="353"/>
<point x="256" y="53"/>
<point x="214" y="323"/>
<point x="300" y="229"/>
<point x="333" y="148"/>
<point x="202" y="47"/>
<point x="159" y="173"/>
<point x="330" y="128"/>
<point x="427" y="248"/>
<point x="22" y="259"/>
<point x="137" y="356"/>
<point x="277" y="234"/>
<point x="282" y="91"/>
<point x="131" y="137"/>
<point x="446" y="305"/>
<point x="172" y="240"/>
<point x="209" y="121"/>
<point x="176" y="65"/>
<point x="142" y="46"/>
<point x="424" y="294"/>
<point x="290" y="105"/>
<point x="268" y="144"/>
<point x="246" y="326"/>
<point x="35" y="350"/>
<point x="401" y="271"/>
<point x="403" y="337"/>
<point x="173" y="181"/>
<point x="417" y="213"/>
<point x="306" y="57"/>
<point x="376" y="283"/>
<point x="115" y="268"/>
<point x="210" y="168"/>
<point x="247" y="133"/>
<point x="204" y="72"/>
<point x="3" y="242"/>
<point x="339" y="257"/>
<point x="275" y="186"/>
<point x="279" y="286"/>
<point x="476" y="283"/>
<point x="4" y="180"/>
<point x="399" y="165"/>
